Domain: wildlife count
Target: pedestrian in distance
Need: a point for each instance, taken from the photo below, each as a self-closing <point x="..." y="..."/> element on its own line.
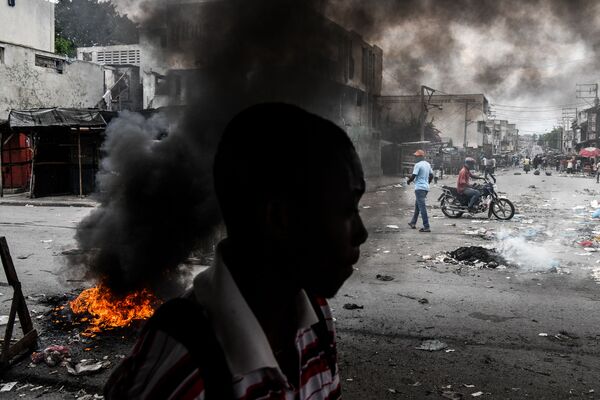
<point x="489" y="166"/>
<point x="422" y="176"/>
<point x="598" y="171"/>
<point x="256" y="324"/>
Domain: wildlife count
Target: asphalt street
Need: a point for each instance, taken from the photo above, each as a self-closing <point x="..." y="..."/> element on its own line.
<point x="528" y="330"/>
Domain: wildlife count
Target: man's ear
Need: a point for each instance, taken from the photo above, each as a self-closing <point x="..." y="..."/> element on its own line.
<point x="278" y="218"/>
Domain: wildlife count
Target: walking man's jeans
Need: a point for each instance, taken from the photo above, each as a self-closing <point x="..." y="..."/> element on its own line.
<point x="420" y="207"/>
<point x="473" y="196"/>
<point x="490" y="171"/>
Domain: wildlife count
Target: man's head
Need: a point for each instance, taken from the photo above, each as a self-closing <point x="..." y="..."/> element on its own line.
<point x="419" y="155"/>
<point x="288" y="184"/>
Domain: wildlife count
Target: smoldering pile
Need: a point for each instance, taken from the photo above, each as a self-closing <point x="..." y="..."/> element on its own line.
<point x="478" y="256"/>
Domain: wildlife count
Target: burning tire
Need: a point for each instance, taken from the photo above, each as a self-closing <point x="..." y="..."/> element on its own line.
<point x="503" y="209"/>
<point x="450" y="212"/>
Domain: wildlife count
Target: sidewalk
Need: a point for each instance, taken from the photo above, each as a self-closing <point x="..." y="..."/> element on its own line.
<point x="22" y="199"/>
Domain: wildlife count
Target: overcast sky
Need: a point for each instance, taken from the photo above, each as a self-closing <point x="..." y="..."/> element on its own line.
<point x="525" y="56"/>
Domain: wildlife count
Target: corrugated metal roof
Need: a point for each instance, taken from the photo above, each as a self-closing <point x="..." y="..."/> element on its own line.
<point x="47" y="117"/>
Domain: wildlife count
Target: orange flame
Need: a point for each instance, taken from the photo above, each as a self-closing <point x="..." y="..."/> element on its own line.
<point x="108" y="311"/>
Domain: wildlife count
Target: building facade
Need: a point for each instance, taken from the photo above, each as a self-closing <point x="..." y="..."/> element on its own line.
<point x="460" y="119"/>
<point x="29" y="23"/>
<point x="502" y="136"/>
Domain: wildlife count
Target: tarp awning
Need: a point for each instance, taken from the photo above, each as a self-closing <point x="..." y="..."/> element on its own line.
<point x="48" y="117"/>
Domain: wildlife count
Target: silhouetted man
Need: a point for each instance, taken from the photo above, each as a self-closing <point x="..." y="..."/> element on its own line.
<point x="256" y="324"/>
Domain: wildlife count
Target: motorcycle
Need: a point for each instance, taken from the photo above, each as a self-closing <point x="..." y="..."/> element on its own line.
<point x="454" y="205"/>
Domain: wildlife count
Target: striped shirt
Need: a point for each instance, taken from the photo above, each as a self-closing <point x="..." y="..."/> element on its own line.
<point x="161" y="367"/>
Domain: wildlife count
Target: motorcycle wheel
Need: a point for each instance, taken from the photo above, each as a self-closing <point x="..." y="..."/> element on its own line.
<point x="450" y="213"/>
<point x="503" y="209"/>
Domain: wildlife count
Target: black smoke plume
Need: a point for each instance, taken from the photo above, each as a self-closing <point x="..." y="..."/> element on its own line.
<point x="157" y="199"/>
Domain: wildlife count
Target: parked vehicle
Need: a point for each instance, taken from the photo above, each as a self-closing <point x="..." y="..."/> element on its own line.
<point x="454" y="205"/>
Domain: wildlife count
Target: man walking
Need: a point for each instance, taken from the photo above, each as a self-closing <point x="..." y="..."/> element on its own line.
<point x="422" y="176"/>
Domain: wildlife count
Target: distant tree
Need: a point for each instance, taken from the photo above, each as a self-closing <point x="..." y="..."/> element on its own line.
<point x="64" y="46"/>
<point x="552" y="138"/>
<point x="93" y="23"/>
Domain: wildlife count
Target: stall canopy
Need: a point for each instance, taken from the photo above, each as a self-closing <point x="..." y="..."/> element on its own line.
<point x="590" y="152"/>
<point x="56" y="117"/>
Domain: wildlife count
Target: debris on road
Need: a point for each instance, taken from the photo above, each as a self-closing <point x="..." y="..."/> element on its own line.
<point x="432" y="345"/>
<point x="488" y="258"/>
<point x="353" y="306"/>
<point x="25" y="257"/>
<point x="3" y="320"/>
<point x="477" y="394"/>
<point x="384" y="278"/>
<point x="86" y="367"/>
<point x="7" y="387"/>
<point x="52" y="355"/>
<point x="392" y="226"/>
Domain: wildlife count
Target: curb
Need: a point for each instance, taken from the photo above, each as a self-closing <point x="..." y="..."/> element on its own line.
<point x="47" y="204"/>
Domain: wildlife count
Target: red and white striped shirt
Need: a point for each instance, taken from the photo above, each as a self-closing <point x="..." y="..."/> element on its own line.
<point x="161" y="367"/>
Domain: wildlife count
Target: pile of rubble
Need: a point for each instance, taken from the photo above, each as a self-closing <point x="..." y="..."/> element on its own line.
<point x="477" y="256"/>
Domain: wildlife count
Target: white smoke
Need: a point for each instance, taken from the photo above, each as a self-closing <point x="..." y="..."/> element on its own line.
<point x="529" y="256"/>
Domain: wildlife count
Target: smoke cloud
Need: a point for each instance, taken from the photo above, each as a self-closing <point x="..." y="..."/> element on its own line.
<point x="513" y="51"/>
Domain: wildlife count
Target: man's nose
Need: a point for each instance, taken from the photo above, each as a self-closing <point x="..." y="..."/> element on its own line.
<point x="360" y="233"/>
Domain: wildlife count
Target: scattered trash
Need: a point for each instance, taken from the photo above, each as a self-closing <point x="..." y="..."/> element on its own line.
<point x="24" y="257"/>
<point x="86" y="367"/>
<point x="385" y="278"/>
<point x="3" y="320"/>
<point x="548" y="173"/>
<point x="531" y="186"/>
<point x="536" y="172"/>
<point x="46" y="241"/>
<point x="52" y="355"/>
<point x="477" y="394"/>
<point x="543" y="334"/>
<point x="469" y="386"/>
<point x="423" y="301"/>
<point x="392" y="390"/>
<point x="517" y="173"/>
<point x="596" y="214"/>
<point x="353" y="306"/>
<point x="427" y="258"/>
<point x="586" y="243"/>
<point x="7" y="387"/>
<point x="392" y="226"/>
<point x="432" y="345"/>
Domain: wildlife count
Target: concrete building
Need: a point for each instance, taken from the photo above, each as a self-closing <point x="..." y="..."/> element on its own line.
<point x="460" y="118"/>
<point x="502" y="136"/>
<point x="122" y="78"/>
<point x="333" y="72"/>
<point x="38" y="79"/>
<point x="28" y="23"/>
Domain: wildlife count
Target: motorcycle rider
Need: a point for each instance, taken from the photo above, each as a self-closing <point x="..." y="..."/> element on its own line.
<point x="463" y="185"/>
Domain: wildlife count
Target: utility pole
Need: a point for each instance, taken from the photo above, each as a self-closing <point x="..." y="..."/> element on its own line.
<point x="467" y="121"/>
<point x="425" y="91"/>
<point x="568" y="115"/>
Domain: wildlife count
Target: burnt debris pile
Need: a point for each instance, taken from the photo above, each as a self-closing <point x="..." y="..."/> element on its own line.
<point x="477" y="255"/>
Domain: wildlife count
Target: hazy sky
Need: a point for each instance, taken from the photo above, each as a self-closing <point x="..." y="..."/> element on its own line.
<point x="525" y="56"/>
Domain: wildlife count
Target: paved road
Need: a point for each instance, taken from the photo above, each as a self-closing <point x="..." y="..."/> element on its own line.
<point x="490" y="319"/>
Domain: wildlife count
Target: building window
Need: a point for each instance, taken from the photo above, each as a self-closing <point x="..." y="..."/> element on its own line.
<point x="49" y="62"/>
<point x="1" y="55"/>
<point x="11" y="3"/>
<point x="87" y="56"/>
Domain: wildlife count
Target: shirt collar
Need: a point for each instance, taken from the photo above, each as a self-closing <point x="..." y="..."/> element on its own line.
<point x="242" y="339"/>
